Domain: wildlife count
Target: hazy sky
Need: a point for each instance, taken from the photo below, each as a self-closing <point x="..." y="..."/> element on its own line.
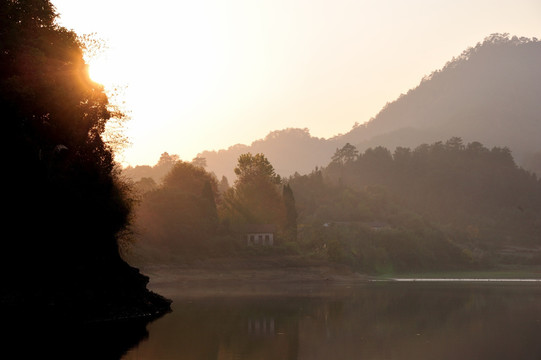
<point x="207" y="74"/>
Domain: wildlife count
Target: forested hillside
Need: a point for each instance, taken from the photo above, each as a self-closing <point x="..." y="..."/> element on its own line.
<point x="445" y="205"/>
<point x="436" y="180"/>
<point x="464" y="195"/>
<point x="192" y="215"/>
<point x="490" y="93"/>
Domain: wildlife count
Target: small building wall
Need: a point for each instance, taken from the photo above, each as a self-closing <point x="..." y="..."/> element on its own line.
<point x="260" y="239"/>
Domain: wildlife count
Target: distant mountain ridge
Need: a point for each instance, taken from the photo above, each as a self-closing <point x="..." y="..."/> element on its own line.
<point x="289" y="151"/>
<point x="490" y="93"/>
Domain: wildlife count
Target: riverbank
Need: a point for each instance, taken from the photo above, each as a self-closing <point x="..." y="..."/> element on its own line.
<point x="287" y="275"/>
<point x="261" y="276"/>
<point x="503" y="272"/>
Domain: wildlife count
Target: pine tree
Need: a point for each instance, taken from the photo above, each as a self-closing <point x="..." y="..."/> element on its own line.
<point x="290" y="227"/>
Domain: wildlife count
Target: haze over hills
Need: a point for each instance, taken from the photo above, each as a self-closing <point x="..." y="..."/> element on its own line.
<point x="451" y="203"/>
<point x="490" y="93"/>
<point x="289" y="150"/>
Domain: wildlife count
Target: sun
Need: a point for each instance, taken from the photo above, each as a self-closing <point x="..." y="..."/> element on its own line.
<point x="103" y="72"/>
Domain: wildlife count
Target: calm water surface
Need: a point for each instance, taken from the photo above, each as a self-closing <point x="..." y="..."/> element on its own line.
<point x="385" y="320"/>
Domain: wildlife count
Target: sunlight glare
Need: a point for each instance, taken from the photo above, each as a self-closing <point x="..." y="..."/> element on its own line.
<point x="101" y="71"/>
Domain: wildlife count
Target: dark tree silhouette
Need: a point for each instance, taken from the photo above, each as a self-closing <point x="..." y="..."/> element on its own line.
<point x="255" y="196"/>
<point x="254" y="167"/>
<point x="290" y="226"/>
<point x="66" y="204"/>
<point x="345" y="155"/>
<point x="179" y="217"/>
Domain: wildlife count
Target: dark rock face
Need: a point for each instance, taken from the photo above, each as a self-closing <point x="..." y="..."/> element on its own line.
<point x="87" y="298"/>
<point x="100" y="316"/>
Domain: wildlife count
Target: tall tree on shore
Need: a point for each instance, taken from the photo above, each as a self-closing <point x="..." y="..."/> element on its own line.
<point x="290" y="226"/>
<point x="180" y="216"/>
<point x="255" y="168"/>
<point x="255" y="196"/>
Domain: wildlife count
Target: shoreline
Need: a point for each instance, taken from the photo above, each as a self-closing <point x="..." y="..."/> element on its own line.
<point x="249" y="277"/>
<point x="294" y="276"/>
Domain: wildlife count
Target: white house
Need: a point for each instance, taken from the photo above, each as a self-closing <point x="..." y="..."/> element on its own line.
<point x="260" y="234"/>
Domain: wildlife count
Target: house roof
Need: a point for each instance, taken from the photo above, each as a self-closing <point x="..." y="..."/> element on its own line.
<point x="259" y="228"/>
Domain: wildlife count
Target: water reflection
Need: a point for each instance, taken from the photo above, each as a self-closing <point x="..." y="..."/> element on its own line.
<point x="372" y="321"/>
<point x="263" y="327"/>
<point x="44" y="338"/>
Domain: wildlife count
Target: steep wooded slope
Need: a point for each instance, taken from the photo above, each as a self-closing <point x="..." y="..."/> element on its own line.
<point x="490" y="94"/>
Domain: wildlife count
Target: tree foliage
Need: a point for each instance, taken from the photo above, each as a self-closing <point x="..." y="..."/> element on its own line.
<point x="156" y="172"/>
<point x="192" y="215"/>
<point x="445" y="197"/>
<point x="255" y="196"/>
<point x="67" y="203"/>
<point x="189" y="178"/>
<point x="346" y="154"/>
<point x="181" y="215"/>
<point x="255" y="168"/>
<point x="290" y="225"/>
<point x="461" y="184"/>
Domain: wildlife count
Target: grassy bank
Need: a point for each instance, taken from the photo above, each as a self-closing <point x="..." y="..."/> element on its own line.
<point x="501" y="272"/>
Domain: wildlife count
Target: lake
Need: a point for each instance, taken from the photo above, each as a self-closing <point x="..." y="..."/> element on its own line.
<point x="370" y="320"/>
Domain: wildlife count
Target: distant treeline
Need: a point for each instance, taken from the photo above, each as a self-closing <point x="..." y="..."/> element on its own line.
<point x="453" y="184"/>
<point x="438" y="205"/>
<point x="446" y="205"/>
<point x="488" y="93"/>
<point x="386" y="202"/>
<point x="191" y="214"/>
